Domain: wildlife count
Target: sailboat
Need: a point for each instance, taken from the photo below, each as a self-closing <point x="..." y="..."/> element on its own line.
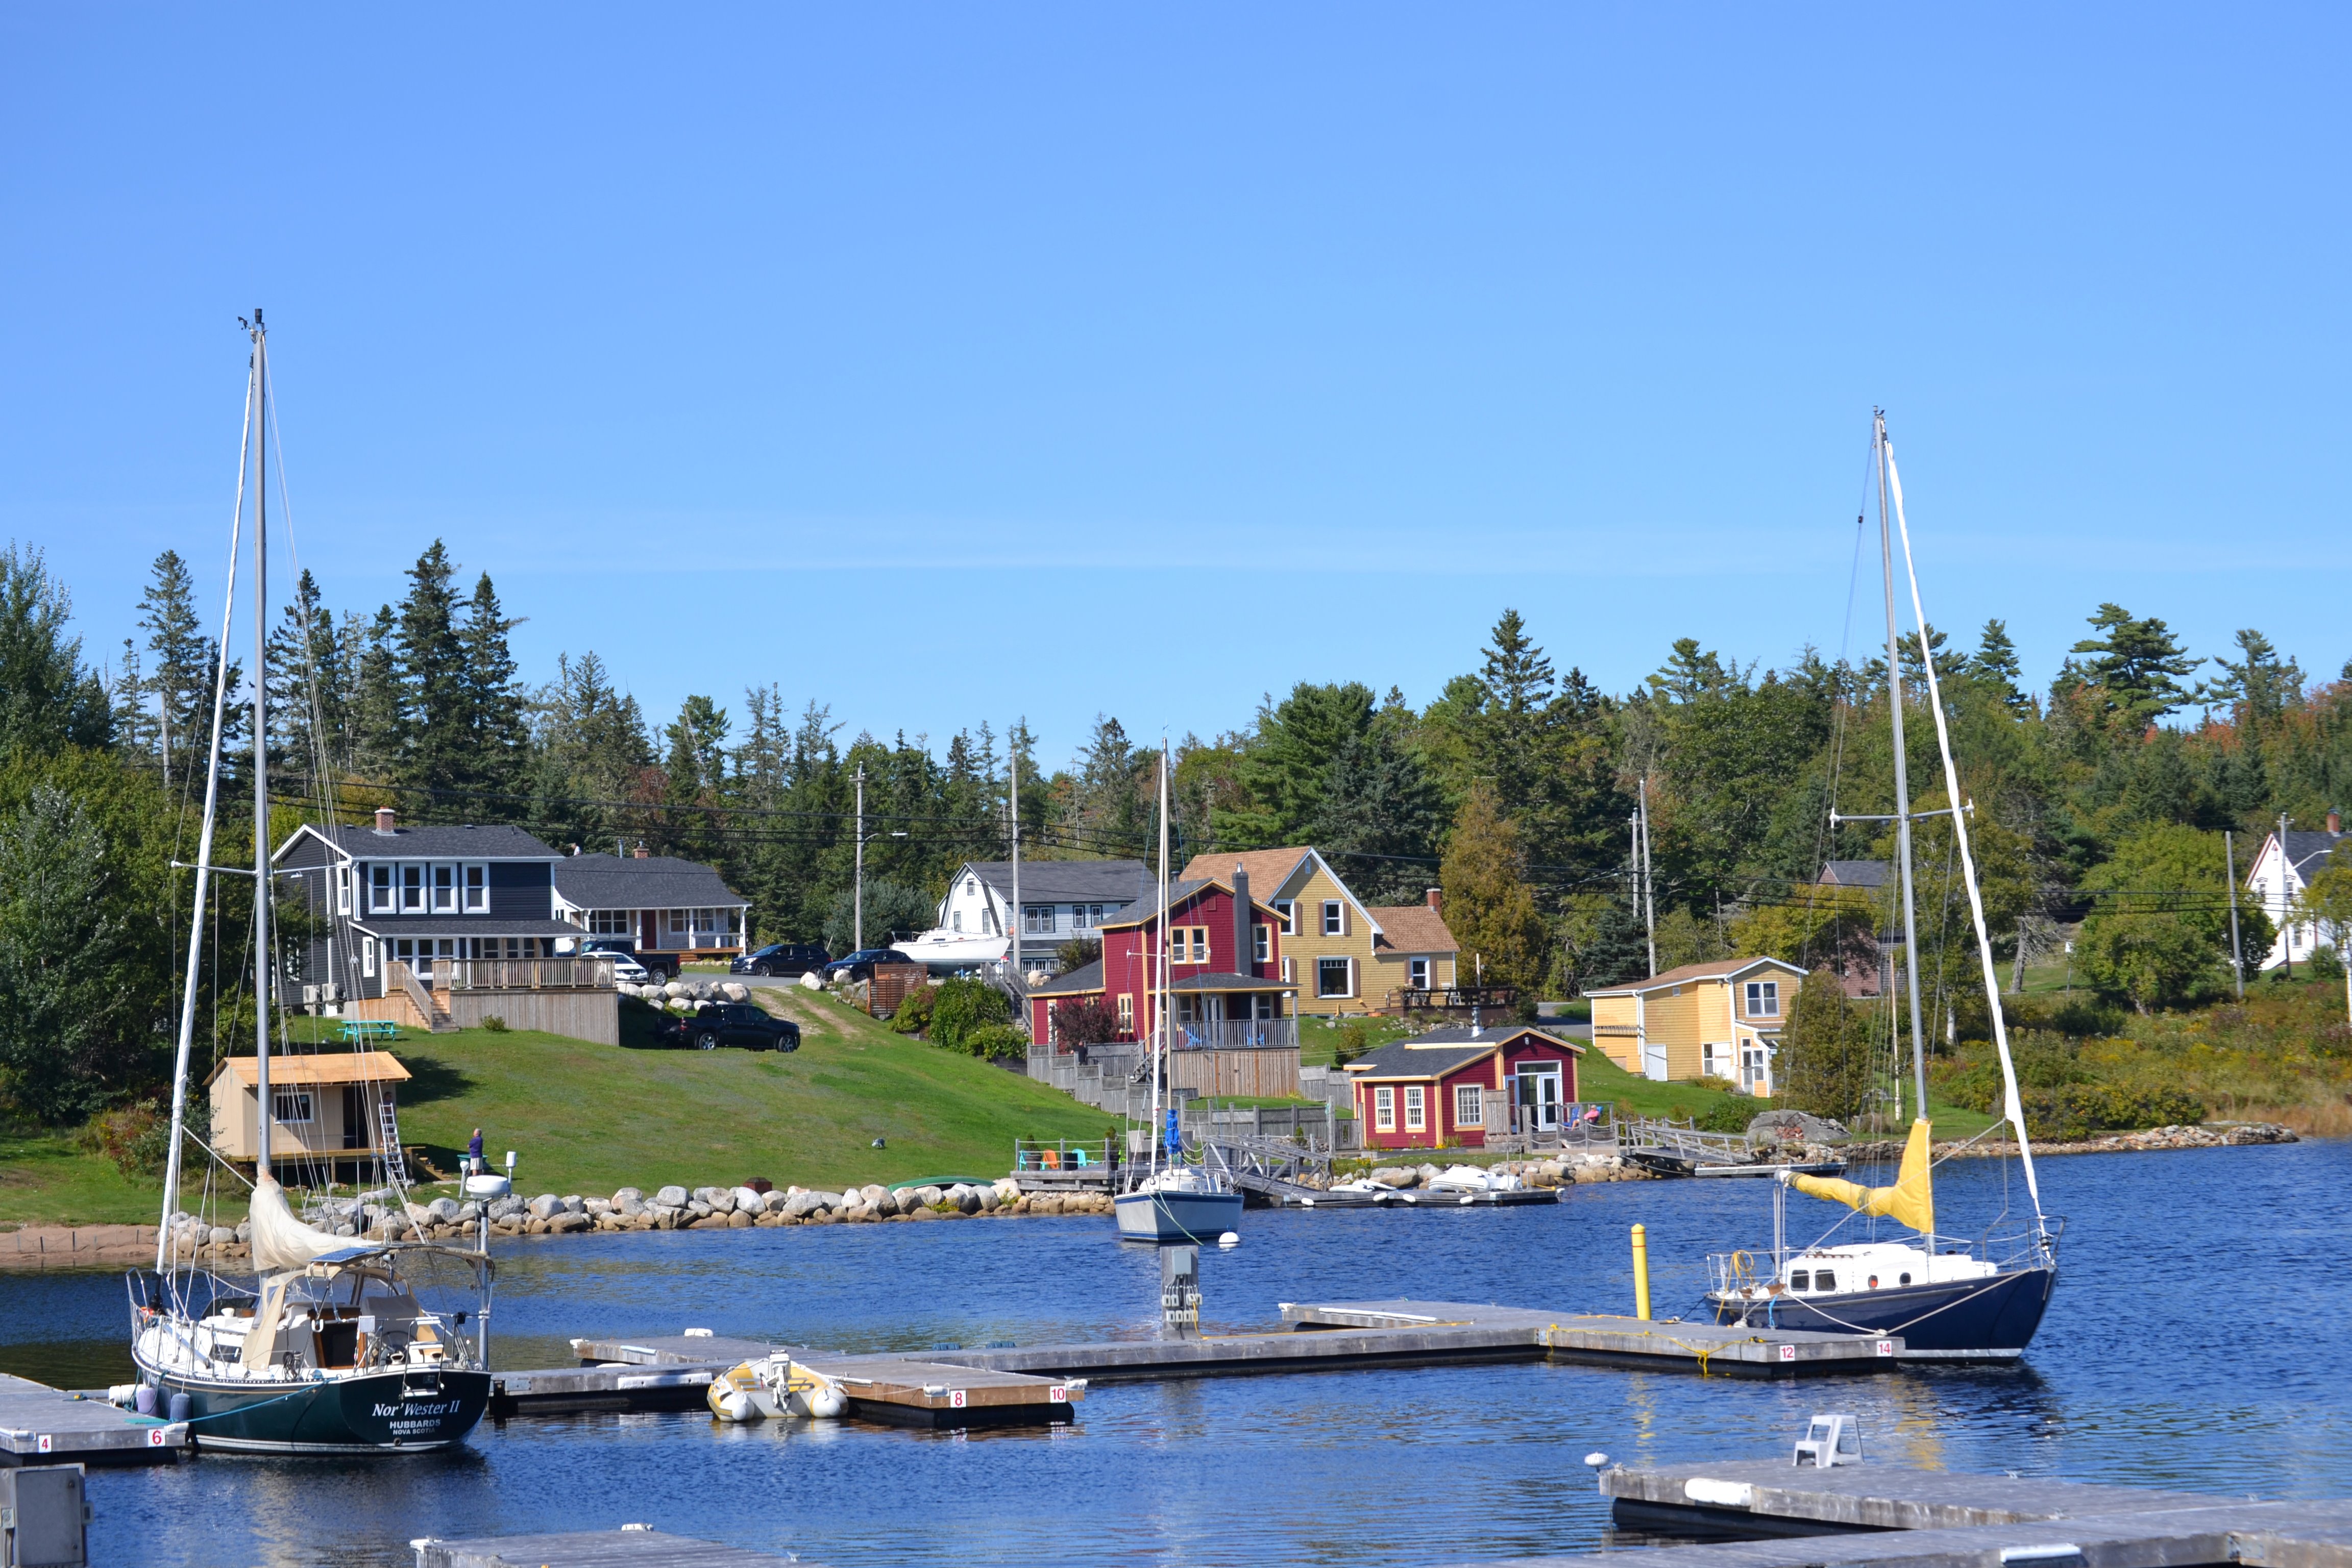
<point x="1173" y="1201"/>
<point x="1945" y="1297"/>
<point x="329" y="1349"/>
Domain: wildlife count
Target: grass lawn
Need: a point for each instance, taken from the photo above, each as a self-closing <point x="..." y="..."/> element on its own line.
<point x="1318" y="1038"/>
<point x="1601" y="1079"/>
<point x="588" y="1118"/>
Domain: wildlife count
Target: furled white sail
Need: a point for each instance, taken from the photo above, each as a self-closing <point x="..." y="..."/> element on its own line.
<point x="282" y="1243"/>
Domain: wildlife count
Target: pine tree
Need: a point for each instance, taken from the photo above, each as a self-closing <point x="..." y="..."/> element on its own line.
<point x="184" y="666"/>
<point x="696" y="777"/>
<point x="2135" y="669"/>
<point x="1825" y="1053"/>
<point x="1381" y="817"/>
<point x="1490" y="911"/>
<point x="1287" y="765"/>
<point x="1996" y="665"/>
<point x="493" y="699"/>
<point x="436" y="711"/>
<point x="308" y="685"/>
<point x="373" y="716"/>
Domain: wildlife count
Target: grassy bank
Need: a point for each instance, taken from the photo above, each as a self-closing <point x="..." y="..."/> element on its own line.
<point x="588" y="1118"/>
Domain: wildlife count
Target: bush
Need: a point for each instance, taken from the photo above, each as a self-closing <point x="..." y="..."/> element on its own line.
<point x="996" y="1040"/>
<point x="2080" y="1110"/>
<point x="1733" y="1112"/>
<point x="137" y="1138"/>
<point x="962" y="1005"/>
<point x="1349" y="1041"/>
<point x="1077" y="952"/>
<point x="1087" y="1021"/>
<point x="2063" y="1099"/>
<point x="493" y="1023"/>
<point x="2323" y="964"/>
<point x="914" y="1014"/>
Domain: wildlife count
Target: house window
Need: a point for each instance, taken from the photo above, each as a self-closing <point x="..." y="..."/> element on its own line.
<point x="1084" y="917"/>
<point x="1331" y="977"/>
<point x="1763" y="998"/>
<point x="379" y="896"/>
<point x="678" y="919"/>
<point x="444" y="889"/>
<point x="1416" y="973"/>
<point x="1384" y="1108"/>
<point x="1289" y="913"/>
<point x="292" y="1105"/>
<point x="412" y="888"/>
<point x="1416" y="1108"/>
<point x="987" y="920"/>
<point x="367" y="956"/>
<point x="1193" y="940"/>
<point x="1200" y="944"/>
<point x="1469" y="1106"/>
<point x="611" y="923"/>
<point x="1037" y="920"/>
<point x="1261" y="941"/>
<point x="955" y="921"/>
<point x="1335" y="917"/>
<point x="477" y="889"/>
<point x="1125" y="1013"/>
<point x="343" y="889"/>
<point x="1289" y="971"/>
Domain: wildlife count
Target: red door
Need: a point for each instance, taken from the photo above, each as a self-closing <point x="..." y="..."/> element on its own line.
<point x="647" y="930"/>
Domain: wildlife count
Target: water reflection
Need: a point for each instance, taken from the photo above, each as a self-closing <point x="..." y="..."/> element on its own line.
<point x="2139" y="1362"/>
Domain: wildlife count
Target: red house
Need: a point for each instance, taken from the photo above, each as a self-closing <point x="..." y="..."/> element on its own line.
<point x="1456" y="1086"/>
<point x="1224" y="967"/>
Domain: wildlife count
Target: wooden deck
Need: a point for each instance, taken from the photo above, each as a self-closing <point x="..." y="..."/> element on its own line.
<point x="43" y="1425"/>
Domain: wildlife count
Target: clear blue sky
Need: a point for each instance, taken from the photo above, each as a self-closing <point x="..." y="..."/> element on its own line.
<point x="951" y="363"/>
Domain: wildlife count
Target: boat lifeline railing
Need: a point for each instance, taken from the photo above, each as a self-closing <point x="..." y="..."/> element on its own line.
<point x="2005" y="1249"/>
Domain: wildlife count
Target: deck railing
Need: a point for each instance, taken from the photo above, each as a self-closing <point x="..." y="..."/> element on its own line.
<point x="1496" y="999"/>
<point x="521" y="973"/>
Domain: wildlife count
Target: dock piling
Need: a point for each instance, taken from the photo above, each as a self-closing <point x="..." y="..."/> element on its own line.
<point x="1641" y="1273"/>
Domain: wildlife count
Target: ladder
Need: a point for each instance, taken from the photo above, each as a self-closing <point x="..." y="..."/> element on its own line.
<point x="387" y="1119"/>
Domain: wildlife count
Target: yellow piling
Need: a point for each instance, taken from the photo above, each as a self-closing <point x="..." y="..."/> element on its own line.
<point x="1641" y="1274"/>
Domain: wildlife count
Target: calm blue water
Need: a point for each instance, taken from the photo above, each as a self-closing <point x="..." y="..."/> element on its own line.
<point x="2195" y="1341"/>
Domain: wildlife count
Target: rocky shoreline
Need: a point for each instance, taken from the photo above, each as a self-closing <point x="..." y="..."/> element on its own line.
<point x="2174" y="1137"/>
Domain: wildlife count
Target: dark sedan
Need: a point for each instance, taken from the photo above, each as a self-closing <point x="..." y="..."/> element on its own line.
<point x="789" y="959"/>
<point x="717" y="1023"/>
<point x="859" y="965"/>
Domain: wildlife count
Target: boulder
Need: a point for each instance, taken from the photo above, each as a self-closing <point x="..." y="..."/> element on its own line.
<point x="741" y="1219"/>
<point x="545" y="1206"/>
<point x="566" y="1222"/>
<point x="929" y="1196"/>
<point x="699" y="1209"/>
<point x="1794" y="1127"/>
<point x="1046" y="1203"/>
<point x="748" y="1202"/>
<point x="671" y="1197"/>
<point x="1008" y="1191"/>
<point x="445" y="1211"/>
<point x="926" y="1214"/>
<point x="575" y="1204"/>
<point x="626" y="1195"/>
<point x="800" y="1205"/>
<point x="506" y="1208"/>
<point x="674" y="989"/>
<point x="721" y="1199"/>
<point x="734" y="991"/>
<point x="599" y="1207"/>
<point x="811" y="981"/>
<point x="221" y="1235"/>
<point x="989" y="1199"/>
<point x="872" y="1193"/>
<point x="968" y="1199"/>
<point x="1393" y="1176"/>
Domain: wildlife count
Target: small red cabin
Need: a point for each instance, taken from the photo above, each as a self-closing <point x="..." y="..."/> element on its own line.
<point x="1456" y="1086"/>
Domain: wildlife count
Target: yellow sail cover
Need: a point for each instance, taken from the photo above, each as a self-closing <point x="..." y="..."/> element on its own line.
<point x="1911" y="1200"/>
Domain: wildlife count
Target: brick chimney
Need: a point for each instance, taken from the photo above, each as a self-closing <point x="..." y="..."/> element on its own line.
<point x="383" y="819"/>
<point x="640" y="849"/>
<point x="1241" y="920"/>
<point x="2335" y="821"/>
<point x="1435" y="896"/>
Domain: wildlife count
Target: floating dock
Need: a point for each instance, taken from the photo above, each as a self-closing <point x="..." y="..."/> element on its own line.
<point x="1890" y="1516"/>
<point x="588" y="1549"/>
<point x="44" y="1426"/>
<point x="1018" y="1384"/>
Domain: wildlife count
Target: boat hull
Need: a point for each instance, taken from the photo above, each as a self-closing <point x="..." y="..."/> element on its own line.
<point x="1176" y="1216"/>
<point x="1967" y="1320"/>
<point x="372" y="1413"/>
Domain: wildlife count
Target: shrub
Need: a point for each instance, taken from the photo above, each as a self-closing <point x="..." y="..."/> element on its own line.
<point x="963" y="1006"/>
<point x="2080" y="1110"/>
<point x="1732" y="1113"/>
<point x="1089" y="1020"/>
<point x="989" y="1040"/>
<point x="1349" y="1041"/>
<point x="137" y="1138"/>
<point x="493" y="1023"/>
<point x="914" y="1014"/>
<point x="2323" y="965"/>
<point x="1077" y="952"/>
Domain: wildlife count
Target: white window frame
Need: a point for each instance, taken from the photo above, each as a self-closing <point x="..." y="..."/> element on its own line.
<point x="383" y="888"/>
<point x="343" y="889"/>
<point x="1127" y="1012"/>
<point x="1417" y="973"/>
<point x="1288" y="910"/>
<point x="441" y="880"/>
<point x="1261" y="943"/>
<point x="415" y="881"/>
<point x="1037" y="919"/>
<point x="678" y="922"/>
<point x="1347" y="976"/>
<point x="367" y="956"/>
<point x="1763" y="998"/>
<point x="474" y="887"/>
<point x="1335" y="917"/>
<point x="292" y="1106"/>
<point x="1469" y="1105"/>
<point x="612" y="922"/>
<point x="1290" y="970"/>
<point x="1383" y="1108"/>
<point x="1416" y="1108"/>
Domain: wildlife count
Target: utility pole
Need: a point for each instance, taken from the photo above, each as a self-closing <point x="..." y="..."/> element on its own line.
<point x="1019" y="920"/>
<point x="857" y="893"/>
<point x="2286" y="897"/>
<point x="1649" y="880"/>
<point x="2237" y="958"/>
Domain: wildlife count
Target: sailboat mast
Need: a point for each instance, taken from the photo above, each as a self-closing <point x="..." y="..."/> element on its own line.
<point x="264" y="1144"/>
<point x="204" y="854"/>
<point x="2012" y="1105"/>
<point x="1160" y="1000"/>
<point x="1902" y="775"/>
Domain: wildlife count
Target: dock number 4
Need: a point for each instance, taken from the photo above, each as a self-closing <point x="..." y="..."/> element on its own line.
<point x="955" y="1398"/>
<point x="45" y="1443"/>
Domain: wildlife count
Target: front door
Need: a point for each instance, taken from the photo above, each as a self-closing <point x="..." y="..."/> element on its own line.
<point x="646" y="932"/>
<point x="1539" y="1096"/>
<point x="1755" y="1069"/>
<point x="1653" y="1061"/>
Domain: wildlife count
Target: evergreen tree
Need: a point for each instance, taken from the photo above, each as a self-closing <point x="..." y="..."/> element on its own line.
<point x="1286" y="766"/>
<point x="493" y="698"/>
<point x="2134" y="669"/>
<point x="1381" y="818"/>
<point x="1826" y="1051"/>
<point x="373" y="716"/>
<point x="1115" y="797"/>
<point x="1996" y="665"/>
<point x="48" y="698"/>
<point x="435" y="727"/>
<point x="309" y="691"/>
<point x="184" y="665"/>
<point x="2259" y="687"/>
<point x="1488" y="908"/>
<point x="696" y="778"/>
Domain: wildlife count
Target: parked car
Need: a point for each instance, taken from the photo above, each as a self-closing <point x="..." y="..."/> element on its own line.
<point x="717" y="1023"/>
<point x="859" y="965"/>
<point x="657" y="966"/>
<point x="626" y="968"/>
<point x="786" y="958"/>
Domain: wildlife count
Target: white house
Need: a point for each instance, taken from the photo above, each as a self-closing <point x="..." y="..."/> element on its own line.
<point x="1059" y="900"/>
<point x="2276" y="880"/>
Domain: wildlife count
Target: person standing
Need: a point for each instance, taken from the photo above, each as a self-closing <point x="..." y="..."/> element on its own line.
<point x="474" y="1166"/>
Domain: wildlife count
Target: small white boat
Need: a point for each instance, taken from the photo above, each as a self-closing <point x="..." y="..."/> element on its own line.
<point x="1182" y="1203"/>
<point x="1471" y="1179"/>
<point x="1364" y="1190"/>
<point x="940" y="948"/>
<point x="771" y="1389"/>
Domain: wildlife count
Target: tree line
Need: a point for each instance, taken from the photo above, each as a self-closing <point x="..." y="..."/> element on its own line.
<point x="2101" y="798"/>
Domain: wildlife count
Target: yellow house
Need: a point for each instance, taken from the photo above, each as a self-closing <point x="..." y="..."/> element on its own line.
<point x="1343" y="955"/>
<point x="1718" y="1020"/>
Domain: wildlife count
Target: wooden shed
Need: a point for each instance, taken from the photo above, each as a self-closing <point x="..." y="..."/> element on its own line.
<point x="332" y="1106"/>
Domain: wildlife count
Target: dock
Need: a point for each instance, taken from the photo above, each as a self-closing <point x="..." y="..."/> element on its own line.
<point x="669" y="1370"/>
<point x="45" y="1426"/>
<point x="1774" y="1515"/>
<point x="629" y="1547"/>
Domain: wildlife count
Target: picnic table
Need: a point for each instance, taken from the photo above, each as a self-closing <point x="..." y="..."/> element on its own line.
<point x="358" y="1029"/>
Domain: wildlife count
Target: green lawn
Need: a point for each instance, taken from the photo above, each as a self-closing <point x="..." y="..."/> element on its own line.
<point x="1318" y="1038"/>
<point x="587" y="1119"/>
<point x="1601" y="1079"/>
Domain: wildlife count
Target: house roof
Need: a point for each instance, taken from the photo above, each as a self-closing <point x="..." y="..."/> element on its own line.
<point x="1857" y="873"/>
<point x="1146" y="909"/>
<point x="1082" y="981"/>
<point x="1066" y="881"/>
<point x="460" y="925"/>
<point x="341" y="1067"/>
<point x="1414" y="928"/>
<point x="1442" y="1051"/>
<point x="2308" y="852"/>
<point x="655" y="882"/>
<point x="1722" y="969"/>
<point x="488" y="841"/>
<point x="1228" y="983"/>
<point x="1272" y="870"/>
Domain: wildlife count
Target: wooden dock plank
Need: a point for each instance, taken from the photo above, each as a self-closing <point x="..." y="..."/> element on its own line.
<point x="588" y="1549"/>
<point x="1879" y="1497"/>
<point x="44" y="1426"/>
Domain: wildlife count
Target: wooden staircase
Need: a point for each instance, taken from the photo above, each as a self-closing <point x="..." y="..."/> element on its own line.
<point x="431" y="1016"/>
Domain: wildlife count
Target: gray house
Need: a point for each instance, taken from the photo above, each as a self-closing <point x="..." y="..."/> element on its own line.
<point x="1059" y="900"/>
<point x="677" y="908"/>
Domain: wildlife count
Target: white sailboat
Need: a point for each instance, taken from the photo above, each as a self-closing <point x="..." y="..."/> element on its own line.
<point x="329" y="1350"/>
<point x="1948" y="1297"/>
<point x="1174" y="1201"/>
